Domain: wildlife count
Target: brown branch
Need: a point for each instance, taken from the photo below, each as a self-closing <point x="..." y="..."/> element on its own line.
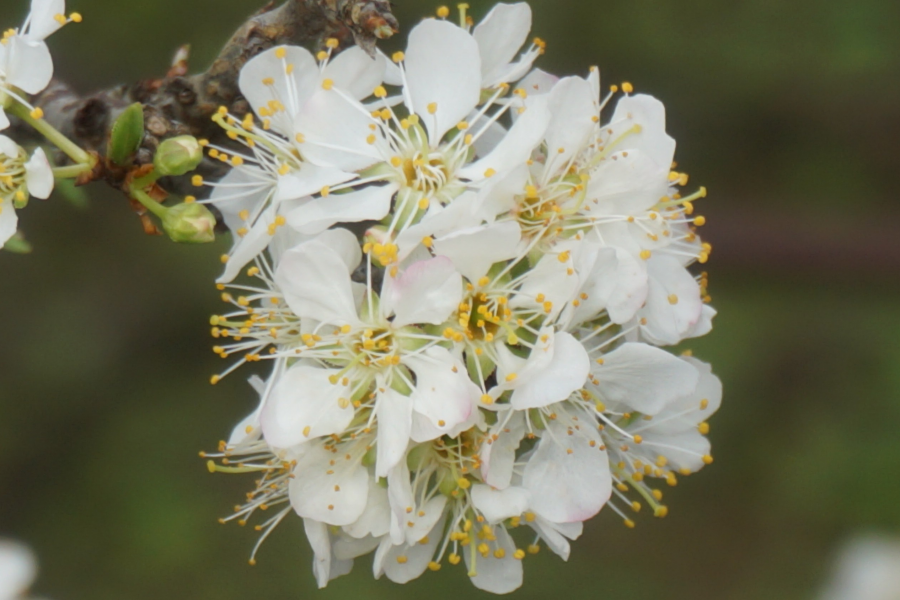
<point x="180" y="104"/>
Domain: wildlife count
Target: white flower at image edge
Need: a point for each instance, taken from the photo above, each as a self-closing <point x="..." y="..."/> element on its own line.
<point x="17" y="569"/>
<point x="18" y="180"/>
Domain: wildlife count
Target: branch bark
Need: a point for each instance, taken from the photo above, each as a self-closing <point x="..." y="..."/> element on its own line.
<point x="179" y="104"/>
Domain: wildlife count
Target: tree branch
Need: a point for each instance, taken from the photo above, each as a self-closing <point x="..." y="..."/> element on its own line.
<point x="179" y="104"/>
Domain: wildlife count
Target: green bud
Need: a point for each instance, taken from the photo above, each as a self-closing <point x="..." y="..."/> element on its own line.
<point x="178" y="155"/>
<point x="126" y="135"/>
<point x="189" y="223"/>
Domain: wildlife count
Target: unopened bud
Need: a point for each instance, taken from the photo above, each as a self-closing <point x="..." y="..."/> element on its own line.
<point x="178" y="155"/>
<point x="189" y="223"/>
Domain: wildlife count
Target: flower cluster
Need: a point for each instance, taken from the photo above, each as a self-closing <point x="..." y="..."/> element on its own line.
<point x="25" y="68"/>
<point x="461" y="268"/>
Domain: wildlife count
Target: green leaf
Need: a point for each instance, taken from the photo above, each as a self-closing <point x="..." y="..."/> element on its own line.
<point x="17" y="244"/>
<point x="127" y="134"/>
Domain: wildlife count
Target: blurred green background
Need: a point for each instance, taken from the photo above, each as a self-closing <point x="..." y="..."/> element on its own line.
<point x="788" y="112"/>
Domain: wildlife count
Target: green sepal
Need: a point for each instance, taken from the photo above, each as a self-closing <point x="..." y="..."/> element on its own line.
<point x="17" y="244"/>
<point x="126" y="136"/>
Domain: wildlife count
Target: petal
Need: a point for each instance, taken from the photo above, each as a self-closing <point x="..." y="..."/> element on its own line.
<point x="320" y="542"/>
<point x="304" y="405"/>
<point x="329" y="487"/>
<point x="402" y="502"/>
<point x="630" y="180"/>
<point x="498" y="454"/>
<point x="336" y="131"/>
<point x="39" y="175"/>
<point x="406" y="562"/>
<point x="249" y="428"/>
<point x="424" y="518"/>
<point x="499" y="505"/>
<point x="565" y="372"/>
<point x="516" y="146"/>
<point x="8" y="147"/>
<point x="551" y="278"/>
<point x="643" y="377"/>
<point x="569" y="479"/>
<point x="345" y="546"/>
<point x="473" y="251"/>
<point x="573" y="107"/>
<point x="249" y="246"/>
<point x="30" y="65"/>
<point x="42" y="19"/>
<point x="355" y="72"/>
<point x="555" y="534"/>
<point x="500" y="35"/>
<point x="310" y="179"/>
<point x="316" y="282"/>
<point x="673" y="304"/>
<point x="652" y="139"/>
<point x="427" y="292"/>
<point x="17" y="569"/>
<point x="9" y="221"/>
<point x="368" y="204"/>
<point x="375" y="520"/>
<point x="444" y="393"/>
<point x="4" y="120"/>
<point x="443" y="68"/>
<point x="538" y="82"/>
<point x="394" y="413"/>
<point x="292" y="90"/>
<point x="497" y="574"/>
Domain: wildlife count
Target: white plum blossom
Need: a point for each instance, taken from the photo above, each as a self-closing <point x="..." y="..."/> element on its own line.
<point x="462" y="271"/>
<point x="18" y="568"/>
<point x="21" y="177"/>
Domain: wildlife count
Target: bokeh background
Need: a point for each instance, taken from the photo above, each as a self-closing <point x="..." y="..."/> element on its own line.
<point x="788" y="111"/>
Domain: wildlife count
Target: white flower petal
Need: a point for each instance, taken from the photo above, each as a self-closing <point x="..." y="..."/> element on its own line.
<point x="498" y="456"/>
<point x="573" y="107"/>
<point x="555" y="534"/>
<point x="474" y="250"/>
<point x="673" y="302"/>
<point x="249" y="429"/>
<point x="17" y="569"/>
<point x="402" y="502"/>
<point x="331" y="493"/>
<point x="320" y="542"/>
<point x="643" y="377"/>
<point x="335" y="130"/>
<point x="39" y="175"/>
<point x="249" y="246"/>
<point x="499" y="505"/>
<point x="444" y="393"/>
<point x="652" y="139"/>
<point x="375" y="521"/>
<point x="568" y="486"/>
<point x="316" y="282"/>
<point x="292" y="90"/>
<point x="9" y="221"/>
<point x="42" y="19"/>
<point x="427" y="292"/>
<point x="4" y="120"/>
<point x="369" y="203"/>
<point x="406" y="562"/>
<point x="538" y="82"/>
<point x="565" y="372"/>
<point x="346" y="547"/>
<point x="424" y="518"/>
<point x="30" y="66"/>
<point x="394" y="413"/>
<point x="499" y="575"/>
<point x="304" y="405"/>
<point x="355" y="72"/>
<point x="310" y="179"/>
<point x="500" y="35"/>
<point x="443" y="70"/>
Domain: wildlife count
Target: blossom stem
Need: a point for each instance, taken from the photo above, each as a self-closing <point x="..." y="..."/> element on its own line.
<point x="149" y="203"/>
<point x="71" y="171"/>
<point x="70" y="148"/>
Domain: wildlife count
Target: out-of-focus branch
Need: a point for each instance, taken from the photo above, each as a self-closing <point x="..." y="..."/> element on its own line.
<point x="179" y="103"/>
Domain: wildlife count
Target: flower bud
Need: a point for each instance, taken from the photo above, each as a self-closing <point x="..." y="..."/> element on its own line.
<point x="189" y="223"/>
<point x="178" y="155"/>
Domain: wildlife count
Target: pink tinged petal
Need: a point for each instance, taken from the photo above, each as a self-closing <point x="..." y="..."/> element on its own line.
<point x="394" y="413"/>
<point x="406" y="562"/>
<point x="368" y="204"/>
<point x="299" y="85"/>
<point x="496" y="574"/>
<point x="650" y="114"/>
<point x="375" y="520"/>
<point x="336" y="132"/>
<point x="304" y="405"/>
<point x="473" y="251"/>
<point x="573" y="108"/>
<point x="500" y="35"/>
<point x="444" y="393"/>
<point x="443" y="72"/>
<point x="30" y="66"/>
<point x="355" y="72"/>
<point x="331" y="493"/>
<point x="515" y="147"/>
<point x="673" y="304"/>
<point x="566" y="372"/>
<point x="320" y="542"/>
<point x="39" y="175"/>
<point x="4" y="120"/>
<point x="427" y="292"/>
<point x="568" y="486"/>
<point x="43" y="21"/>
<point x="9" y="221"/>
<point x="499" y="505"/>
<point x="316" y="282"/>
<point x="310" y="179"/>
<point x="249" y="246"/>
<point x="17" y="569"/>
<point x="643" y="377"/>
<point x="499" y="456"/>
